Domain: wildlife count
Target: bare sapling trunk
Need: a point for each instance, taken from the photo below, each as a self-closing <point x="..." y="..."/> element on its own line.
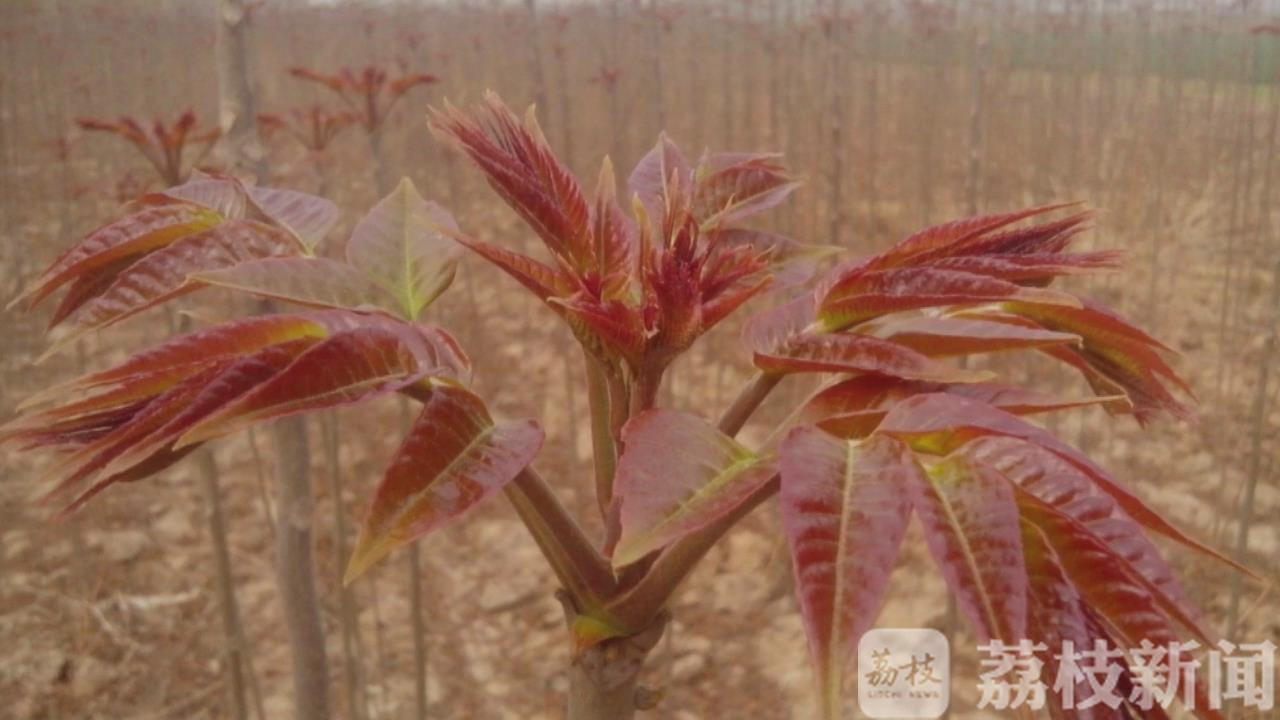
<point x="233" y="636"/>
<point x="294" y="564"/>
<point x="417" y="624"/>
<point x="295" y="569"/>
<point x="352" y="662"/>
<point x="1260" y="410"/>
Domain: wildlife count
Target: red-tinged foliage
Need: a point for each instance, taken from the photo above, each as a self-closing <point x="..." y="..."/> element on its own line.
<point x="400" y="257"/>
<point x="845" y="507"/>
<point x="866" y="295"/>
<point x="370" y="92"/>
<point x="1032" y="537"/>
<point x="970" y="524"/>
<point x="198" y="387"/>
<point x="133" y="236"/>
<point x="314" y="128"/>
<point x="960" y="335"/>
<point x="150" y="256"/>
<point x="164" y="274"/>
<point x="969" y="280"/>
<point x="853" y="408"/>
<point x="164" y="145"/>
<point x="1049" y="478"/>
<point x="637" y="292"/>
<point x="679" y="475"/>
<point x="454" y="456"/>
<point x="1114" y="356"/>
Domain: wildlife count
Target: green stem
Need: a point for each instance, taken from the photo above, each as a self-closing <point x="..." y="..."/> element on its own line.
<point x="602" y="448"/>
<point x="583" y="571"/>
<point x="750" y="398"/>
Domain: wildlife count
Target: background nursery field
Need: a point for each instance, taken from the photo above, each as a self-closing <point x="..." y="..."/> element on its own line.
<point x="1165" y="116"/>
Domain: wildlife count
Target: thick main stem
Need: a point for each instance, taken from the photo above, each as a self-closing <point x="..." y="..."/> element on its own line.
<point x="604" y="679"/>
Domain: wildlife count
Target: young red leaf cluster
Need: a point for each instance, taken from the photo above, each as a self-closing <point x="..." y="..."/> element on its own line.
<point x="141" y="416"/>
<point x="370" y="93"/>
<point x="901" y="432"/>
<point x="313" y="128"/>
<point x="164" y="145"/>
<point x="146" y="257"/>
<point x="636" y="290"/>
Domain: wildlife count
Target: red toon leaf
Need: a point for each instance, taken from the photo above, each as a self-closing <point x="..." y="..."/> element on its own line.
<point x="676" y="475"/>
<point x="845" y="507"/>
<point x="454" y="457"/>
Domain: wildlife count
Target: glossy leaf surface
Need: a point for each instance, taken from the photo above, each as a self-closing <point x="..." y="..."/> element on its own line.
<point x="310" y="281"/>
<point x="970" y="523"/>
<point x="348" y="367"/>
<point x="676" y="475"/>
<point x="403" y="244"/>
<point x="845" y="507"/>
<point x="454" y="456"/>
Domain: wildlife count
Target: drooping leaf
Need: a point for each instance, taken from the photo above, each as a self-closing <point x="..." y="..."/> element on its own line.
<point x="970" y="523"/>
<point x="348" y="367"/>
<point x="854" y="407"/>
<point x="87" y="461"/>
<point x="1056" y="614"/>
<point x="85" y="288"/>
<point x="453" y="457"/>
<point x="145" y="448"/>
<point x="164" y="274"/>
<point x="1120" y="596"/>
<point x="1061" y="485"/>
<point x="182" y="356"/>
<point x="957" y="335"/>
<point x="405" y="246"/>
<point x="940" y="423"/>
<point x="865" y="295"/>
<point x="1114" y="353"/>
<point x="845" y="507"/>
<point x="133" y="235"/>
<point x="951" y="238"/>
<point x="310" y="281"/>
<point x="678" y="474"/>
